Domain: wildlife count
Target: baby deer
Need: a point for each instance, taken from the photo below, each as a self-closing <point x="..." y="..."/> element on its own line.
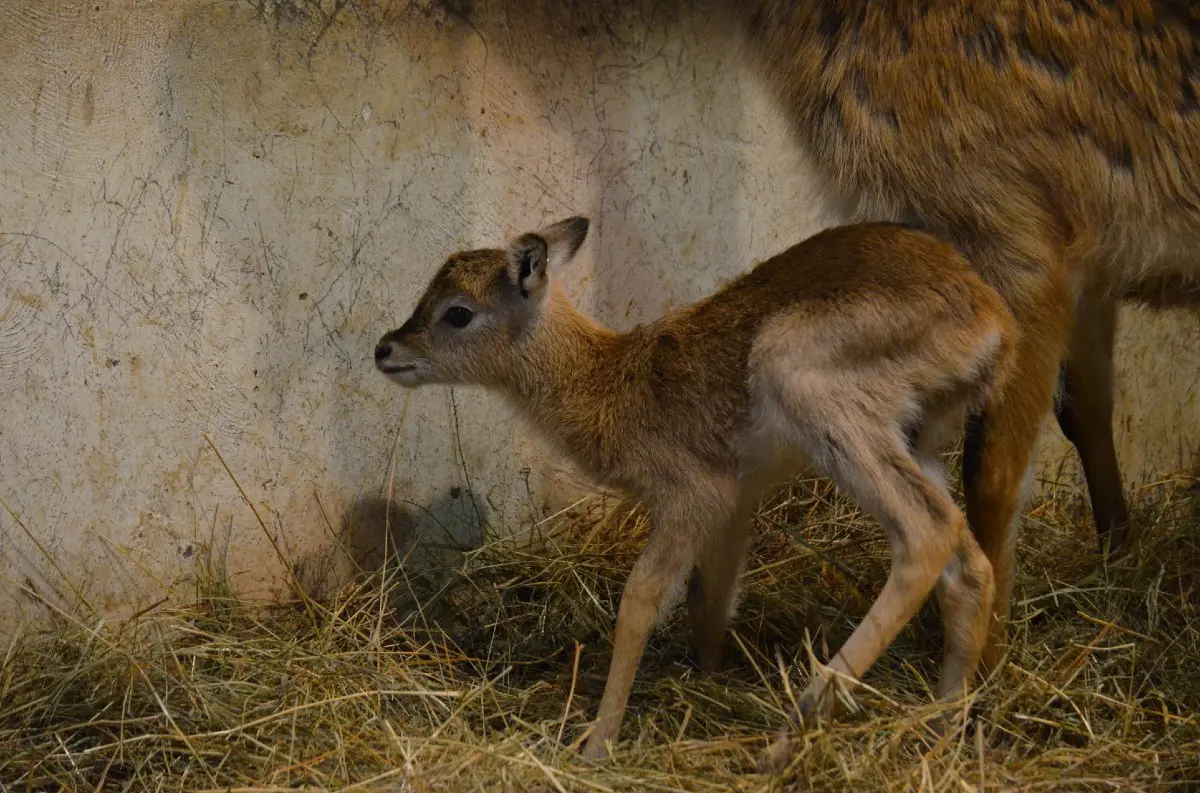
<point x="858" y="351"/>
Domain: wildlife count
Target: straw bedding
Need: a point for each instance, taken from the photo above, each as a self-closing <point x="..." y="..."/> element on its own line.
<point x="479" y="672"/>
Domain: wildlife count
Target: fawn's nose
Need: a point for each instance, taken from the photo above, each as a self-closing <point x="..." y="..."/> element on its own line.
<point x="382" y="351"/>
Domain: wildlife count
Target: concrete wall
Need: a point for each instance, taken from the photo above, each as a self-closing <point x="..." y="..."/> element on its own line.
<point x="209" y="212"/>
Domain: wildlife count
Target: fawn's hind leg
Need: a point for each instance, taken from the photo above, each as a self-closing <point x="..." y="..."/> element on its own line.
<point x="864" y="454"/>
<point x="924" y="528"/>
<point x="965" y="587"/>
<point x="965" y="590"/>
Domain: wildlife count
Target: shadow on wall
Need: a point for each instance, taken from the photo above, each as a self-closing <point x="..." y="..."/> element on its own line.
<point x="376" y="531"/>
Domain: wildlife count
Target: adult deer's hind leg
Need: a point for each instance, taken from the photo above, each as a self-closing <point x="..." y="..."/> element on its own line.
<point x="1085" y="411"/>
<point x="999" y="444"/>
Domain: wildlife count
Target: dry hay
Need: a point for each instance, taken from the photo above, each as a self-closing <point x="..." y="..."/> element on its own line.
<point x="470" y="678"/>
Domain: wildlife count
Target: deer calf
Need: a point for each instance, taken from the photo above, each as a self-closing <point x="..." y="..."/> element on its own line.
<point x="857" y="352"/>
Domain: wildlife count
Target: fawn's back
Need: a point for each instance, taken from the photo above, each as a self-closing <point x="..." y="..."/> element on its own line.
<point x="854" y="293"/>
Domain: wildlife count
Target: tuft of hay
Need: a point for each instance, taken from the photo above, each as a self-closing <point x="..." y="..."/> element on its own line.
<point x="482" y="676"/>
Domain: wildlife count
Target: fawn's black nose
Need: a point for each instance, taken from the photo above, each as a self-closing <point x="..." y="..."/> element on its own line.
<point x="383" y="351"/>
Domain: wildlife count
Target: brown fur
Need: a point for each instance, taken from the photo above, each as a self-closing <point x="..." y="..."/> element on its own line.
<point x="1057" y="142"/>
<point x="858" y="351"/>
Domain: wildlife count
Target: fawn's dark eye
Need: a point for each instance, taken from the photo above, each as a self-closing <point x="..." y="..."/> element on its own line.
<point x="458" y="316"/>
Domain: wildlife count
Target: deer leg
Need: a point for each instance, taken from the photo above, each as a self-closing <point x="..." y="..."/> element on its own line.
<point x="654" y="584"/>
<point x="999" y="444"/>
<point x="966" y="586"/>
<point x="924" y="527"/>
<point x="965" y="590"/>
<point x="712" y="595"/>
<point x="1084" y="412"/>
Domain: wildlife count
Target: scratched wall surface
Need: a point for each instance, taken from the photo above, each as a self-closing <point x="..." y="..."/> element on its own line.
<point x="209" y="212"/>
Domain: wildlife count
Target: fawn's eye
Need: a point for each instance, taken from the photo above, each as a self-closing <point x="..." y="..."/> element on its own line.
<point x="458" y="316"/>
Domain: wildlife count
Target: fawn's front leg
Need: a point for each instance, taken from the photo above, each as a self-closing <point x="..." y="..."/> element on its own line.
<point x="714" y="588"/>
<point x="654" y="585"/>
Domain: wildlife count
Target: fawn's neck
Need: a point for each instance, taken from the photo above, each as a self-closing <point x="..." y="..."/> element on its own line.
<point x="565" y="385"/>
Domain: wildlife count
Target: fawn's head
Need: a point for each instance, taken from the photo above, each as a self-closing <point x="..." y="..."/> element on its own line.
<point x="477" y="308"/>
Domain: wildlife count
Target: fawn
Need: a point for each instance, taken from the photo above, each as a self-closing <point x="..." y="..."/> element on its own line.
<point x="858" y="351"/>
<point x="1057" y="143"/>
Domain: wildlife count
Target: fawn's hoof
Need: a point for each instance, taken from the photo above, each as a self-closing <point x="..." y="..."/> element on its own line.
<point x="777" y="756"/>
<point x="594" y="749"/>
<point x="816" y="704"/>
<point x="942" y="724"/>
<point x="953" y="716"/>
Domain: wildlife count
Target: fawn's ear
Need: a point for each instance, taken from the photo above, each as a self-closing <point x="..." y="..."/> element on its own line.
<point x="531" y="255"/>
